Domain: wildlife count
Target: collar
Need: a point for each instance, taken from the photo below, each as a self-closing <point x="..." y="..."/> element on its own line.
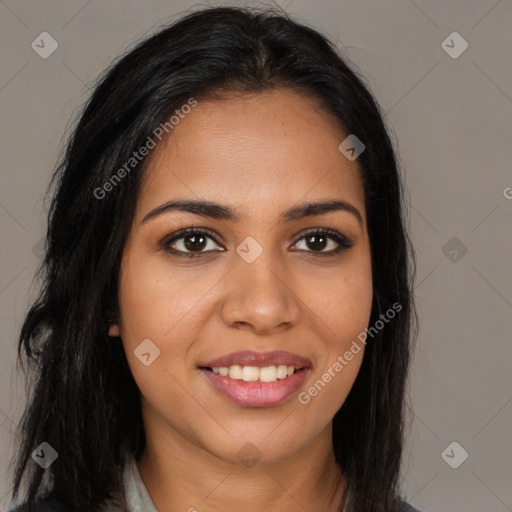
<point x="136" y="494"/>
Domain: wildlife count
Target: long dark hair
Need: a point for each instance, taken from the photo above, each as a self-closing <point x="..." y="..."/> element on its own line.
<point x="83" y="400"/>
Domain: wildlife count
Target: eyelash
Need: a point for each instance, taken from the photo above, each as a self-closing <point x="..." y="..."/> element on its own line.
<point x="343" y="242"/>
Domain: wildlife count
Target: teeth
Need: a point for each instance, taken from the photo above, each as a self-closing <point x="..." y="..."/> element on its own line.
<point x="250" y="373"/>
<point x="268" y="374"/>
<point x="282" y="371"/>
<point x="255" y="373"/>
<point x="235" y="372"/>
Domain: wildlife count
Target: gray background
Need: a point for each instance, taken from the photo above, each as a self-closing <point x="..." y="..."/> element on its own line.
<point x="452" y="119"/>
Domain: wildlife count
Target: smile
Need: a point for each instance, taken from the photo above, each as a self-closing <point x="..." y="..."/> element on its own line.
<point x="255" y="373"/>
<point x="251" y="386"/>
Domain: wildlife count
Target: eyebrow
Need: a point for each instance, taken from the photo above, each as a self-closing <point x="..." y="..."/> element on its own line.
<point x="223" y="212"/>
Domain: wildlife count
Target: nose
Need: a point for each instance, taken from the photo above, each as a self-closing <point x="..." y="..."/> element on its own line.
<point x="260" y="297"/>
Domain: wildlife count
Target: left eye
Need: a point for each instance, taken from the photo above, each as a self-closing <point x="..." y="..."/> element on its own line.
<point x="320" y="241"/>
<point x="195" y="242"/>
<point x="319" y="237"/>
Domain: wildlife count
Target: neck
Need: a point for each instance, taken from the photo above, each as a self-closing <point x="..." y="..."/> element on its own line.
<point x="179" y="475"/>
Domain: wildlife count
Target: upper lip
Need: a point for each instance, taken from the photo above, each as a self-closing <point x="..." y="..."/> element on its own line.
<point x="252" y="358"/>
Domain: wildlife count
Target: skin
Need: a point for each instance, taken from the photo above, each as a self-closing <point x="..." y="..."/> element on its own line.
<point x="260" y="153"/>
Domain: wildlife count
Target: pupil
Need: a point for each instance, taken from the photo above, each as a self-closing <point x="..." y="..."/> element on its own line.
<point x="318" y="241"/>
<point x="195" y="244"/>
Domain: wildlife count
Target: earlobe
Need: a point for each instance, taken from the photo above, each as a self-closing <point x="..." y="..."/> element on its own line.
<point x="113" y="330"/>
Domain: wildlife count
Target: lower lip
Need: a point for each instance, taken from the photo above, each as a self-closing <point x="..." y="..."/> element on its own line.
<point x="257" y="394"/>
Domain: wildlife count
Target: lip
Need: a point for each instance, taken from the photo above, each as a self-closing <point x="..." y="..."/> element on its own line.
<point x="257" y="394"/>
<point x="259" y="359"/>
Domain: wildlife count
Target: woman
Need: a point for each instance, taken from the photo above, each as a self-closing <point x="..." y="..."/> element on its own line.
<point x="227" y="313"/>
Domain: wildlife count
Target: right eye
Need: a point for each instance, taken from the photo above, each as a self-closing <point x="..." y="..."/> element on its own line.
<point x="191" y="239"/>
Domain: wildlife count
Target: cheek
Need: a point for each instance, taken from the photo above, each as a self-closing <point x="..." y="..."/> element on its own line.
<point x="155" y="301"/>
<point x="342" y="305"/>
<point x="156" y="312"/>
<point x="343" y="309"/>
<point x="167" y="307"/>
<point x="343" y="314"/>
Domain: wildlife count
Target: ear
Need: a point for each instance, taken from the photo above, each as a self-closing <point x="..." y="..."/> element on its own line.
<point x="113" y="330"/>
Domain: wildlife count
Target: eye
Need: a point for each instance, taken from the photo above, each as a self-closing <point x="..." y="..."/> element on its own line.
<point x="193" y="242"/>
<point x="190" y="239"/>
<point x="318" y="239"/>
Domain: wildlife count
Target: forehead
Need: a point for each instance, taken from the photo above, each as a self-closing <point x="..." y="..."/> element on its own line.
<point x="265" y="149"/>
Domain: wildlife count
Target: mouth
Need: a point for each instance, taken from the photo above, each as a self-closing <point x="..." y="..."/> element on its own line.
<point x="253" y="386"/>
<point x="247" y="373"/>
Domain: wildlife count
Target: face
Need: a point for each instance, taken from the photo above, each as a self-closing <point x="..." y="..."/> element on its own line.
<point x="265" y="280"/>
